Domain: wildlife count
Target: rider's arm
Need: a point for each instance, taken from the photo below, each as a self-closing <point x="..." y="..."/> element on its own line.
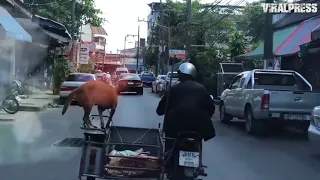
<point x="208" y="103"/>
<point x="162" y="105"/>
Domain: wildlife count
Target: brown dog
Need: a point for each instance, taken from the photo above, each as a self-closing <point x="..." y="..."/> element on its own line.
<point x="94" y="93"/>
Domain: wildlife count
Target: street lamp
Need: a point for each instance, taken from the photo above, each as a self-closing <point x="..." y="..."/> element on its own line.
<point x="125" y="42"/>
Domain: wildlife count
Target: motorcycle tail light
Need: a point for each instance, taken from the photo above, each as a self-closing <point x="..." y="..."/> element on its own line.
<point x="189" y="145"/>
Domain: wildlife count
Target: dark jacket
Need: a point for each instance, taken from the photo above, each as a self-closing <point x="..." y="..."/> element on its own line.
<point x="190" y="108"/>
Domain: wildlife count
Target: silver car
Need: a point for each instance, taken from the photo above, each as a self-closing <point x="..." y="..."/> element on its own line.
<point x="175" y="79"/>
<point x="72" y="82"/>
<point x="314" y="128"/>
<point x="157" y="85"/>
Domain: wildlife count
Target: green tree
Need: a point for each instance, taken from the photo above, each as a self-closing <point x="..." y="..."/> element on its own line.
<point x="60" y="72"/>
<point x="211" y="28"/>
<point x="237" y="44"/>
<point x="87" y="68"/>
<point x="60" y="11"/>
<point x="254" y="21"/>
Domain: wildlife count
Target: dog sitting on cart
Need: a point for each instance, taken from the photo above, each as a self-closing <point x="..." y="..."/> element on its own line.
<point x="121" y="153"/>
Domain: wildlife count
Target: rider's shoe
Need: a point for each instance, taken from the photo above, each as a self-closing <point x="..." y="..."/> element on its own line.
<point x="201" y="172"/>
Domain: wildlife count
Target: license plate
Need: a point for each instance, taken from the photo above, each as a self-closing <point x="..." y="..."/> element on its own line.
<point x="294" y="116"/>
<point x="188" y="159"/>
<point x="130" y="83"/>
<point x="18" y="98"/>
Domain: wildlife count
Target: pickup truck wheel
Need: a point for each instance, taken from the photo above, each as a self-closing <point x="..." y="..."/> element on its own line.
<point x="252" y="126"/>
<point x="305" y="127"/>
<point x="224" y="116"/>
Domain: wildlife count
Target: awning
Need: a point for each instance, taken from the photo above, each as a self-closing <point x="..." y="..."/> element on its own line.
<point x="12" y="27"/>
<point x="52" y="27"/>
<point x="315" y="34"/>
<point x="56" y="36"/>
<point x="300" y="36"/>
<point x="278" y="38"/>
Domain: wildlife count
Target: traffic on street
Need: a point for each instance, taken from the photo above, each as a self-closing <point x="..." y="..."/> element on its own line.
<point x="30" y="146"/>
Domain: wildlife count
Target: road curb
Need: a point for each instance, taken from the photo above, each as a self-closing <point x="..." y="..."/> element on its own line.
<point x="38" y="108"/>
<point x="7" y="119"/>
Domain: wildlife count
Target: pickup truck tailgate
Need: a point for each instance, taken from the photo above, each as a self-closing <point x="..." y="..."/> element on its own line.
<point x="293" y="101"/>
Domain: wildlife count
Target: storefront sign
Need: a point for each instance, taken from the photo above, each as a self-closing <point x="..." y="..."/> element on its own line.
<point x="84" y="54"/>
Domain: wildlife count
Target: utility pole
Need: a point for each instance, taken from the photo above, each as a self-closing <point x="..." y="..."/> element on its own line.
<point x="268" y="38"/>
<point x="161" y="39"/>
<point x="124" y="49"/>
<point x="188" y="38"/>
<point x="73" y="17"/>
<point x="138" y="48"/>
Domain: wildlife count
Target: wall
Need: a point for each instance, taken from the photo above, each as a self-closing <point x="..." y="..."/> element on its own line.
<point x="86" y="35"/>
<point x="7" y="60"/>
<point x="100" y="41"/>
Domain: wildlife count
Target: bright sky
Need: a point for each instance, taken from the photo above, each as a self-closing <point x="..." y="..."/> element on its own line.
<point x="123" y="19"/>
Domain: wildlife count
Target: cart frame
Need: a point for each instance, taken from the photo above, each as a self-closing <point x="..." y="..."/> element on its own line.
<point x="103" y="141"/>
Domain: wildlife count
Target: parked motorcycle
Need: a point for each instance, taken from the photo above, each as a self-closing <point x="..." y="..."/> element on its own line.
<point x="10" y="103"/>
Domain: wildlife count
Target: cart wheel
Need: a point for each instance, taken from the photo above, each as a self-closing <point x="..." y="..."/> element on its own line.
<point x="162" y="176"/>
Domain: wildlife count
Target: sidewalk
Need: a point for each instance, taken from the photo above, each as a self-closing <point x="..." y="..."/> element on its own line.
<point x="38" y="101"/>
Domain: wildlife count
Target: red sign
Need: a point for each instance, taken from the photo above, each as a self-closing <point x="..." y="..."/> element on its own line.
<point x="102" y="58"/>
<point x="180" y="54"/>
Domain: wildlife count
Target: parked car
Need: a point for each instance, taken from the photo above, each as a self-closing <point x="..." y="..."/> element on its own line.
<point x="147" y="78"/>
<point x="157" y="84"/>
<point x="268" y="97"/>
<point x="73" y="81"/>
<point x="129" y="82"/>
<point x="314" y="128"/>
<point x="175" y="79"/>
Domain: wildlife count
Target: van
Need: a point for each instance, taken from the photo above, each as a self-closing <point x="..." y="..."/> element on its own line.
<point x="120" y="71"/>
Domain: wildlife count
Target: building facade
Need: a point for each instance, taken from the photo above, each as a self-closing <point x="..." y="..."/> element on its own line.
<point x="152" y="18"/>
<point x="99" y="38"/>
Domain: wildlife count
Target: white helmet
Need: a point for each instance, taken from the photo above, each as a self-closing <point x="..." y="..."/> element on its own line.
<point x="188" y="69"/>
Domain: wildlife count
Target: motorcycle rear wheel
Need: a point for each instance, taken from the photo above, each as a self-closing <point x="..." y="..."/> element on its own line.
<point x="11" y="107"/>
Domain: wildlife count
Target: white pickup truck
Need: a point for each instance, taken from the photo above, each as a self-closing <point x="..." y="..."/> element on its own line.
<point x="268" y="97"/>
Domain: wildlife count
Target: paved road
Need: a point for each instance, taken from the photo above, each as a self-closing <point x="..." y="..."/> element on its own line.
<point x="26" y="152"/>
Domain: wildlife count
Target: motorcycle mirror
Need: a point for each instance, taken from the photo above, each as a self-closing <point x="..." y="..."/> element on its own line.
<point x="226" y="86"/>
<point x="211" y="97"/>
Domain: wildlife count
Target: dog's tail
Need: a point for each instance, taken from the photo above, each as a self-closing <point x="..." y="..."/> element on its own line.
<point x="68" y="101"/>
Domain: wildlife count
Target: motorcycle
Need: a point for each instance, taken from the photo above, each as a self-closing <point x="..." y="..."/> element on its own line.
<point x="10" y="103"/>
<point x="187" y="152"/>
<point x="161" y="89"/>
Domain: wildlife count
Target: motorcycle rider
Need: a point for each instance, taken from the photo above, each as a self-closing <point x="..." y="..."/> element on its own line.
<point x="108" y="75"/>
<point x="109" y="78"/>
<point x="190" y="108"/>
